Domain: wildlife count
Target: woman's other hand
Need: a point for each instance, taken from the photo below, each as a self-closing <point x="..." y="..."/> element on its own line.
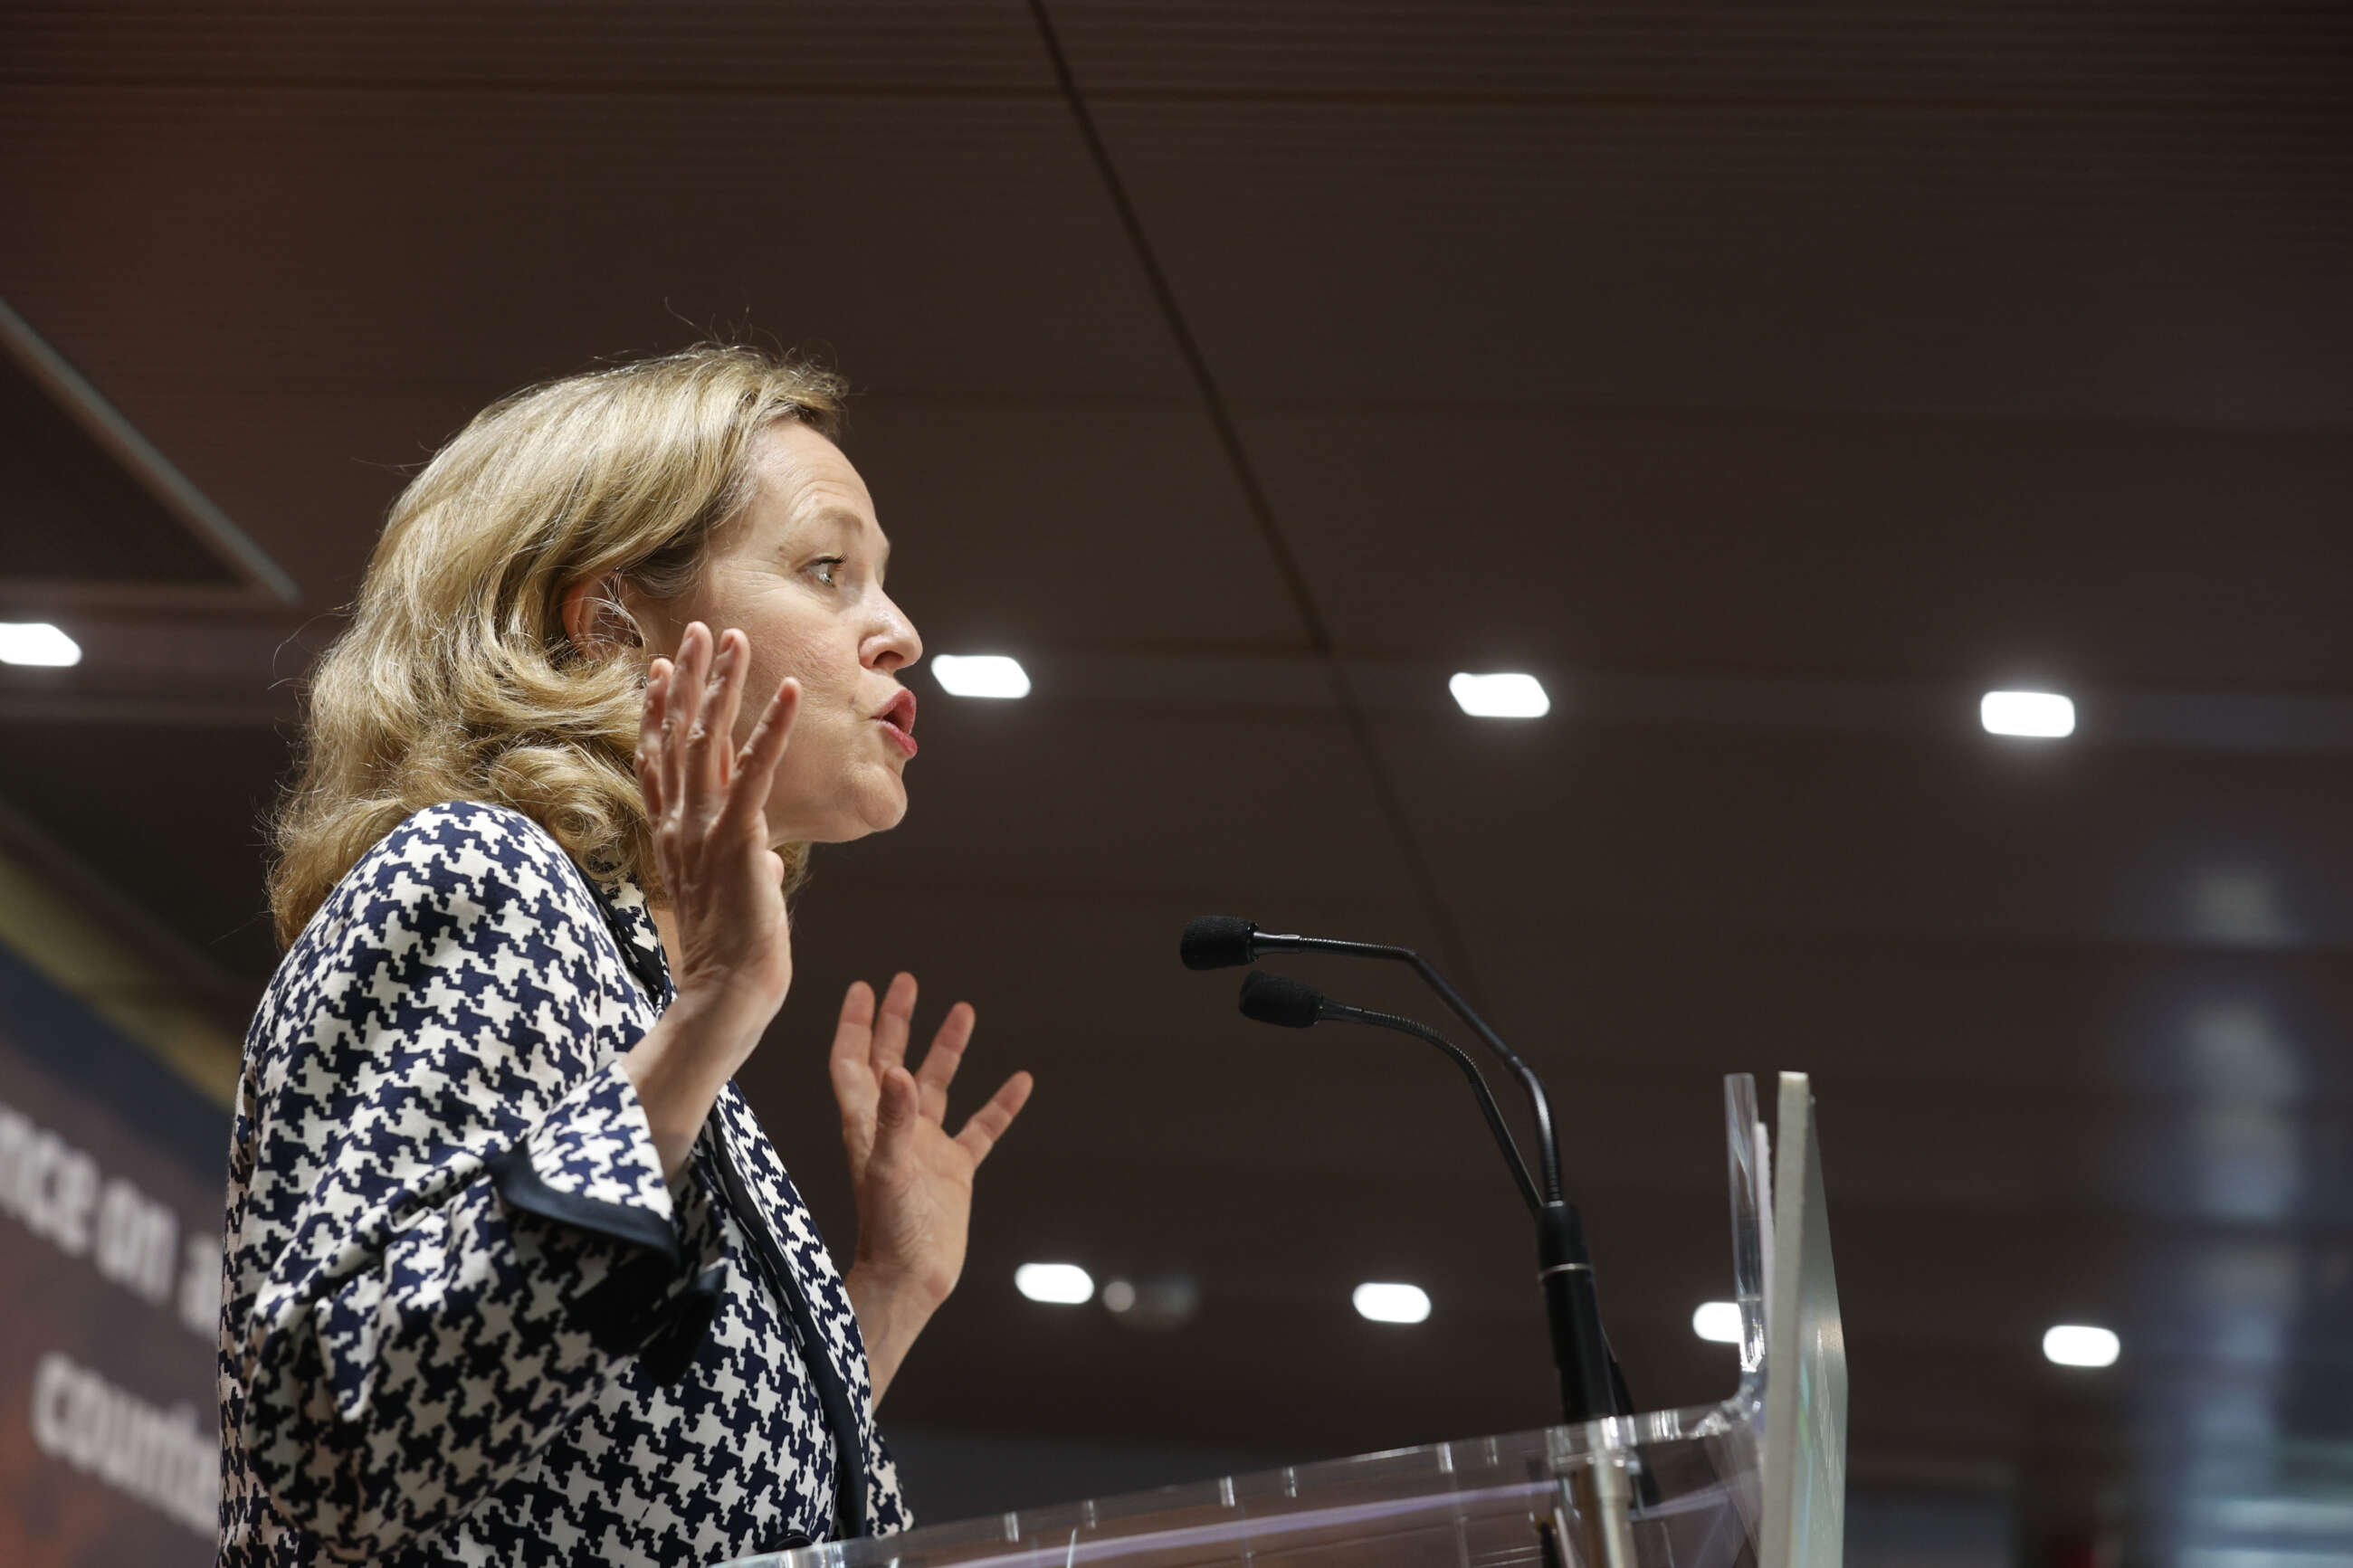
<point x="912" y="1180"/>
<point x="732" y="954"/>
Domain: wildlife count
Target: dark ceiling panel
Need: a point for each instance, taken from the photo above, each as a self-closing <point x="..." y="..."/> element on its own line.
<point x="517" y="47"/>
<point x="1386" y="257"/>
<point x="1975" y="840"/>
<point x="839" y="225"/>
<point x="308" y="462"/>
<point x="1058" y="528"/>
<point x="1964" y="63"/>
<point x="827" y="223"/>
<point x="2137" y="212"/>
<point x="172" y="816"/>
<point x="74" y="513"/>
<point x="2004" y="552"/>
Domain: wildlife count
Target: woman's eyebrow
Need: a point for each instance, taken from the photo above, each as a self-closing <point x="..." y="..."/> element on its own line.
<point x="842" y="518"/>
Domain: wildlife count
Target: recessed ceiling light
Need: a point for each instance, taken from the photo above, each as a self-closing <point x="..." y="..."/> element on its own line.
<point x="1505" y="696"/>
<point x="980" y="675"/>
<point x="2081" y="1344"/>
<point x="36" y="642"/>
<point x="1392" y="1304"/>
<point x="2041" y="715"/>
<point x="1718" y="1323"/>
<point x="1061" y="1284"/>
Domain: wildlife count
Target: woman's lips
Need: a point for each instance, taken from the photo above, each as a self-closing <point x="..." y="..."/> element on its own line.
<point x="899" y="718"/>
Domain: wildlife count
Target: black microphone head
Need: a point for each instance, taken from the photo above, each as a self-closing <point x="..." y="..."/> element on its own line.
<point x="1280" y="1000"/>
<point x="1217" y="941"/>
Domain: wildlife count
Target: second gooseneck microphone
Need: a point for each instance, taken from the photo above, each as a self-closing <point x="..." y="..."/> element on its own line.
<point x="1589" y="1383"/>
<point x="1290" y="1003"/>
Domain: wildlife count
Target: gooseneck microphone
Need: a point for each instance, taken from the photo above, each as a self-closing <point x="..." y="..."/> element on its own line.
<point x="1291" y="1005"/>
<point x="1228" y="941"/>
<point x="1589" y="1383"/>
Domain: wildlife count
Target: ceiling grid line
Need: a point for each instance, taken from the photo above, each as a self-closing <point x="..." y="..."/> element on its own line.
<point x="1452" y="947"/>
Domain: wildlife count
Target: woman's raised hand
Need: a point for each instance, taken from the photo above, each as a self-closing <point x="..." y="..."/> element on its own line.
<point x="913" y="1179"/>
<point x="706" y="800"/>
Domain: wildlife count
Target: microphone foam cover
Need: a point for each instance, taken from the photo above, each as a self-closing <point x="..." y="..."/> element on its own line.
<point x="1216" y="942"/>
<point x="1280" y="1000"/>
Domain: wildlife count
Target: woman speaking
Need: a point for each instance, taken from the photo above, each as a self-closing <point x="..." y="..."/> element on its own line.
<point x="513" y="1274"/>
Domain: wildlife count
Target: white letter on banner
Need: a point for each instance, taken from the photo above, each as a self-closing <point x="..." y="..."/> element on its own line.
<point x="51" y="1380"/>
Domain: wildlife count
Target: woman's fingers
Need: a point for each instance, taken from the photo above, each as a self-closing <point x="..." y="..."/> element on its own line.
<point x="755" y="766"/>
<point x="893" y="1024"/>
<point x="989" y="1124"/>
<point x="649" y="731"/>
<point x="940" y="1063"/>
<point x="684" y="700"/>
<point x="708" y="747"/>
<point x="853" y="1036"/>
<point x="697" y="763"/>
<point x="727" y="701"/>
<point x="897" y="1113"/>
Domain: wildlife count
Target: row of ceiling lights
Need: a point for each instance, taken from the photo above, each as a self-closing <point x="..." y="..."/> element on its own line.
<point x="1068" y="1285"/>
<point x="1513" y="694"/>
<point x="2063" y="1345"/>
<point x="1507" y="694"/>
<point x="1391" y="1302"/>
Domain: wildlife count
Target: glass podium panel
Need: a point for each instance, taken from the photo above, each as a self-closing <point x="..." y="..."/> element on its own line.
<point x="1670" y="1489"/>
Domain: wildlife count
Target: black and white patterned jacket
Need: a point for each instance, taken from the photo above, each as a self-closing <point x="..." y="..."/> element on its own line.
<point x="465" y="1322"/>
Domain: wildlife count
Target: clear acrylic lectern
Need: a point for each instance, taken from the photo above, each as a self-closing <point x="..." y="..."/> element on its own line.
<point x="1673" y="1488"/>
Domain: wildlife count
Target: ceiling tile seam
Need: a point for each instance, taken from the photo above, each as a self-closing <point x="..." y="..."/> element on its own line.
<point x="1386" y="797"/>
<point x="142" y="461"/>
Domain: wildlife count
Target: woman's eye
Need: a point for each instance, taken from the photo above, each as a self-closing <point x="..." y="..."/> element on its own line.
<point x="825" y="569"/>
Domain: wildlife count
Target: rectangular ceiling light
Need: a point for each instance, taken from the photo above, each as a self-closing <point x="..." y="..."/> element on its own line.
<point x="1505" y="696"/>
<point x="1062" y="1284"/>
<point x="36" y="642"/>
<point x="2039" y="715"/>
<point x="2081" y="1344"/>
<point x="1391" y="1303"/>
<point x="1717" y="1323"/>
<point x="980" y="675"/>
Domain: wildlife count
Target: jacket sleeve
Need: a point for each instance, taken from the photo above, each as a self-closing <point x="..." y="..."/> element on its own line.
<point x="457" y="1226"/>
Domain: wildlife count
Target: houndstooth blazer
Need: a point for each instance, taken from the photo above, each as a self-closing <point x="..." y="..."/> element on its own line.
<point x="465" y="1321"/>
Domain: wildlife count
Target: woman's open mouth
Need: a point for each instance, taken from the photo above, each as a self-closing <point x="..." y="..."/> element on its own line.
<point x="899" y="720"/>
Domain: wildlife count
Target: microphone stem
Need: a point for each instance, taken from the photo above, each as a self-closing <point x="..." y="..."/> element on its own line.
<point x="1581" y="1355"/>
<point x="1590" y="1384"/>
<point x="1462" y="1057"/>
<point x="1580" y="1351"/>
<point x="1548" y="1144"/>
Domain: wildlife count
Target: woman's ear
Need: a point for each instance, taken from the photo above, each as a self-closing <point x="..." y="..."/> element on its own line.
<point x="596" y="621"/>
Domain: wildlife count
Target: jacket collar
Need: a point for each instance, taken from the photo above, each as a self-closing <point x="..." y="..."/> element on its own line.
<point x="631" y="921"/>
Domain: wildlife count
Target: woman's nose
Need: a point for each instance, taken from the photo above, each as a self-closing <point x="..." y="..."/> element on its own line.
<point x="896" y="644"/>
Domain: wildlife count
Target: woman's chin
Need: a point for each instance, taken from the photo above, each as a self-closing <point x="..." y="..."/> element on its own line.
<point x="879" y="805"/>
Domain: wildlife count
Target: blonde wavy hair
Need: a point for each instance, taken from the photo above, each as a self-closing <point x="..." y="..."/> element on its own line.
<point x="456" y="679"/>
